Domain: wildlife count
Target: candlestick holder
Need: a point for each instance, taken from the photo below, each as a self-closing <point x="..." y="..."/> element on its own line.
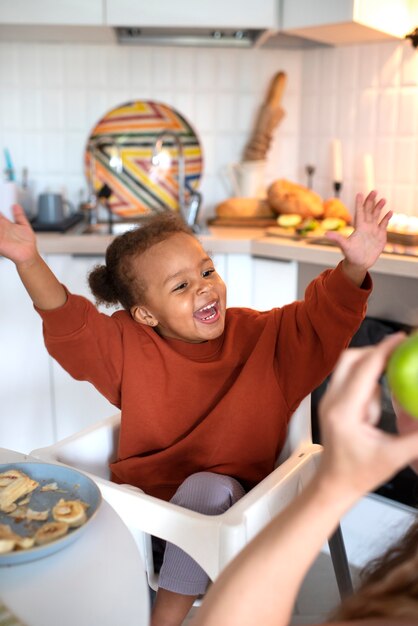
<point x="310" y="171"/>
<point x="337" y="186"/>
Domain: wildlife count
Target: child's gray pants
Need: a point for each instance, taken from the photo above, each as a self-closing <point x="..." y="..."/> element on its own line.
<point x="204" y="492"/>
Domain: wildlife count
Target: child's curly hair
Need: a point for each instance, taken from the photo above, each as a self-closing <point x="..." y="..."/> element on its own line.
<point x="116" y="281"/>
<point x="389" y="585"/>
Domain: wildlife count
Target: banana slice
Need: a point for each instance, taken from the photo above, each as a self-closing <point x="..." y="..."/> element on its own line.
<point x="7" y="545"/>
<point x="72" y="512"/>
<point x="7" y="539"/>
<point x="50" y="531"/>
<point x="7" y="477"/>
<point x="12" y="541"/>
<point x="15" y="485"/>
<point x="24" y="543"/>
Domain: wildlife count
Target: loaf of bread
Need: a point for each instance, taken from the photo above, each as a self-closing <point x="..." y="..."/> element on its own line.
<point x="333" y="207"/>
<point x="287" y="197"/>
<point x="244" y="207"/>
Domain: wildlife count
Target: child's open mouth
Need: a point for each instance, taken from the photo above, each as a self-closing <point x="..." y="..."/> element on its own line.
<point x="208" y="314"/>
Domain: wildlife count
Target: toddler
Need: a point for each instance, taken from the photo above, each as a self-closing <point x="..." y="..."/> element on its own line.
<point x="205" y="392"/>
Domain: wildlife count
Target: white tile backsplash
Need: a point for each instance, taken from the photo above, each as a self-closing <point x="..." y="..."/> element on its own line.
<point x="52" y="95"/>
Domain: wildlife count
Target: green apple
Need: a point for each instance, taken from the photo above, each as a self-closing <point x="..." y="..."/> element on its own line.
<point x="402" y="374"/>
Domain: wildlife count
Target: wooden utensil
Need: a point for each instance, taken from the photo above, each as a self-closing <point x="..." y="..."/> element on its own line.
<point x="270" y="115"/>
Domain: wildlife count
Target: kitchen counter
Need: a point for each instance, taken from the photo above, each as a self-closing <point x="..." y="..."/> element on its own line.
<point x="238" y="241"/>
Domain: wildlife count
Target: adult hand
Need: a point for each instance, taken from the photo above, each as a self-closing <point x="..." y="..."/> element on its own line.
<point x="405" y="424"/>
<point x="368" y="239"/>
<point x="356" y="454"/>
<point x="17" y="239"/>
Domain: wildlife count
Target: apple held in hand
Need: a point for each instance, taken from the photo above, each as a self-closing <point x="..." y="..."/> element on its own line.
<point x="402" y="374"/>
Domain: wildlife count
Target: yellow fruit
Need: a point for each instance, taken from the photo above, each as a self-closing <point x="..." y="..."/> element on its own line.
<point x="402" y="374"/>
<point x="289" y="220"/>
<point x="333" y="223"/>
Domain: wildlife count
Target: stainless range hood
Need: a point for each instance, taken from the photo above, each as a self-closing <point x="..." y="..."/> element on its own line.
<point x="209" y="37"/>
<point x="205" y="37"/>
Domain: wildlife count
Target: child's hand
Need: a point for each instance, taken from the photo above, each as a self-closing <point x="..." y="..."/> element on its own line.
<point x="17" y="239"/>
<point x="357" y="455"/>
<point x="366" y="243"/>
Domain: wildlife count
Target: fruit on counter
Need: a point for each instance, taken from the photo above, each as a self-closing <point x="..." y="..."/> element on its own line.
<point x="308" y="225"/>
<point x="287" y="197"/>
<point x="402" y="374"/>
<point x="289" y="220"/>
<point x="333" y="223"/>
<point x="334" y="207"/>
<point x="244" y="207"/>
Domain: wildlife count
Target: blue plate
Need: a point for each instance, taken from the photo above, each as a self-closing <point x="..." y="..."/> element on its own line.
<point x="72" y="485"/>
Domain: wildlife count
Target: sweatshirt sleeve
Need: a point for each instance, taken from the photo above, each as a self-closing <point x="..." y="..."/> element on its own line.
<point x="86" y="343"/>
<point x="313" y="332"/>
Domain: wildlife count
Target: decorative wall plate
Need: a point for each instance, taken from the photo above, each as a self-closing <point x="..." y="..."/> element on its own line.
<point x="122" y="143"/>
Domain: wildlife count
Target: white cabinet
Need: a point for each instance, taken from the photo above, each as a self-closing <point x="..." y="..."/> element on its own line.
<point x="236" y="271"/>
<point x="70" y="12"/>
<point x="192" y="14"/>
<point x="274" y="283"/>
<point x="77" y="404"/>
<point x="26" y="416"/>
<point x="348" y="21"/>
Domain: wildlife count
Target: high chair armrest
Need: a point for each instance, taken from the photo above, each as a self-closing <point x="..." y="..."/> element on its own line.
<point x="211" y="540"/>
<point x="90" y="450"/>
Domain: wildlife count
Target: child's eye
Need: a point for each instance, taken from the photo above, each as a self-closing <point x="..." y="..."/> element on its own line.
<point x="180" y="287"/>
<point x="207" y="273"/>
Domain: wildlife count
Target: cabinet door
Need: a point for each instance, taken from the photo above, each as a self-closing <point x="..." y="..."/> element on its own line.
<point x="274" y="283"/>
<point x="346" y="21"/>
<point x="239" y="280"/>
<point x="26" y="418"/>
<point x="71" y="12"/>
<point x="77" y="404"/>
<point x="205" y="13"/>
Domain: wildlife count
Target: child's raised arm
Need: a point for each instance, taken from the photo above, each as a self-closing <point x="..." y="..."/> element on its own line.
<point x="18" y="243"/>
<point x="364" y="246"/>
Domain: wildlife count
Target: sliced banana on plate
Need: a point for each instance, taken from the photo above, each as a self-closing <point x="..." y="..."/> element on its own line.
<point x="72" y="512"/>
<point x="50" y="532"/>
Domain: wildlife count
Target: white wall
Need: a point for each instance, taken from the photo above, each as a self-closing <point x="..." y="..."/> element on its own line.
<point x="366" y="95"/>
<point x="52" y="95"/>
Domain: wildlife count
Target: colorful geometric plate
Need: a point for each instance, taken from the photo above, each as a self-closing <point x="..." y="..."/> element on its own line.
<point x="123" y="142"/>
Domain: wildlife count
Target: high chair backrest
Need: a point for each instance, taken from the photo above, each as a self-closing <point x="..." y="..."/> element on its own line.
<point x="299" y="430"/>
<point x="93" y="448"/>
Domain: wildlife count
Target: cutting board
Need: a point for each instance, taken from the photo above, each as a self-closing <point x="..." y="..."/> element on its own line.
<point x="247" y="222"/>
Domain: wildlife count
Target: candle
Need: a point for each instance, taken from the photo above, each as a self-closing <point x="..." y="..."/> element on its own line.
<point x="368" y="168"/>
<point x="337" y="161"/>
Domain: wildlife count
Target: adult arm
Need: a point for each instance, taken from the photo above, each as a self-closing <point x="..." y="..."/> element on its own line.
<point x="18" y="243"/>
<point x="260" y="586"/>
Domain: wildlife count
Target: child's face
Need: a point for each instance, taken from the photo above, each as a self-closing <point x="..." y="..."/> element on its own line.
<point x="185" y="297"/>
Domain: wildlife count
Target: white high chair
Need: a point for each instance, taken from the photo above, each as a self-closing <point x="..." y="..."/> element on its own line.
<point x="212" y="540"/>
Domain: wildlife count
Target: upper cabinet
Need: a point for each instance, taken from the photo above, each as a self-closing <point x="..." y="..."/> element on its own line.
<point x="50" y="12"/>
<point x="349" y="21"/>
<point x="193" y="14"/>
<point x="241" y="23"/>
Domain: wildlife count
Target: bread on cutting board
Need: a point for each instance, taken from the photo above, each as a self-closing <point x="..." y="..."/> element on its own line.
<point x="287" y="197"/>
<point x="334" y="207"/>
<point x="244" y="208"/>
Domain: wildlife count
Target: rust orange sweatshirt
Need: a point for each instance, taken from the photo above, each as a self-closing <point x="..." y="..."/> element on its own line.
<point x="219" y="406"/>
